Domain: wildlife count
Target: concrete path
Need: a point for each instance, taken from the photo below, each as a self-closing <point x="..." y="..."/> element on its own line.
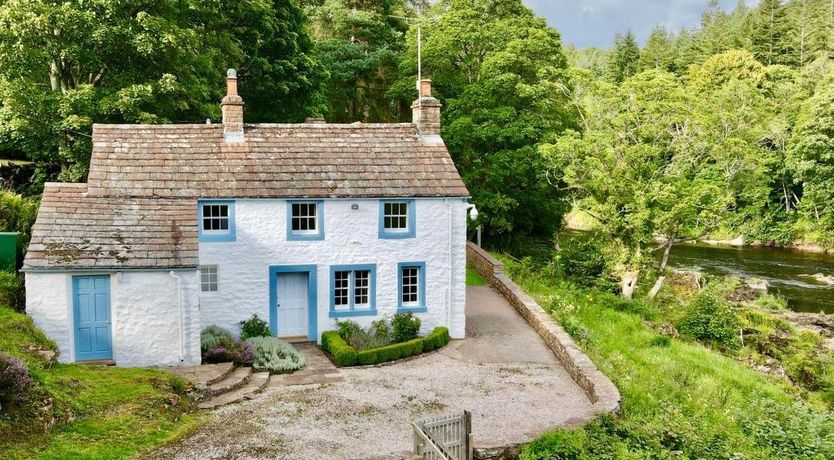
<point x="502" y="373"/>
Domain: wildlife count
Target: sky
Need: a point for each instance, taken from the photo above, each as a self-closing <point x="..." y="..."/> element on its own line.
<point x="586" y="23"/>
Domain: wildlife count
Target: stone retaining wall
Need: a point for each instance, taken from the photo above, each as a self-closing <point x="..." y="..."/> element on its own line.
<point x="601" y="391"/>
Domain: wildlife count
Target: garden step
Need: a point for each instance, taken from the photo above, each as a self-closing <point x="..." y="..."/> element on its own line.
<point x="256" y="383"/>
<point x="237" y="378"/>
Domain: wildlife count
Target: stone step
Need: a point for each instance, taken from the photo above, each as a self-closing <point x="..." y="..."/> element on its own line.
<point x="256" y="383"/>
<point x="217" y="373"/>
<point x="234" y="380"/>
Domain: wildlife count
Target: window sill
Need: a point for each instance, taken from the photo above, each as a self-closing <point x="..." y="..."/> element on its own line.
<point x="396" y="235"/>
<point x="352" y="313"/>
<point x="412" y="310"/>
<point x="305" y="237"/>
<point x="217" y="238"/>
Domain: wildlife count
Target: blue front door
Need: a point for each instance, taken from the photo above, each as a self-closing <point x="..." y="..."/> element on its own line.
<point x="91" y="313"/>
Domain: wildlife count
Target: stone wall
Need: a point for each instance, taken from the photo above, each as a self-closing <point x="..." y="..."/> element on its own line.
<point x="599" y="389"/>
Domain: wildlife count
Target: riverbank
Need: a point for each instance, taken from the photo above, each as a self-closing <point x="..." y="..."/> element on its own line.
<point x="679" y="397"/>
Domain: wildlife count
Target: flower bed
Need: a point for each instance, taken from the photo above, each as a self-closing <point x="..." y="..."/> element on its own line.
<point x="345" y="355"/>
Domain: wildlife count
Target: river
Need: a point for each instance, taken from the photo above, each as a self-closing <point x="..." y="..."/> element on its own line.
<point x="786" y="271"/>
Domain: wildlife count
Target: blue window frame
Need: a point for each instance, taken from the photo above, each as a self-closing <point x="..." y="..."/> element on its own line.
<point x="352" y="290"/>
<point x="305" y="220"/>
<point x="216" y="220"/>
<point x="411" y="287"/>
<point x="397" y="219"/>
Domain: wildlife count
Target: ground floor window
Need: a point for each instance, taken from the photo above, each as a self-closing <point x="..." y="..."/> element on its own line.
<point x="412" y="286"/>
<point x="208" y="278"/>
<point x="352" y="290"/>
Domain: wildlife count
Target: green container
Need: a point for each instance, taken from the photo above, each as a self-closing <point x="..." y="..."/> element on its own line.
<point x="9" y="242"/>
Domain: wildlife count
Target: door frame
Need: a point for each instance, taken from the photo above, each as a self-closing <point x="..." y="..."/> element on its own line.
<point x="74" y="306"/>
<point x="312" y="297"/>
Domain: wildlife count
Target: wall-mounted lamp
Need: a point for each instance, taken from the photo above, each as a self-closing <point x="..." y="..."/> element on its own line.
<point x="473" y="212"/>
<point x="354" y="206"/>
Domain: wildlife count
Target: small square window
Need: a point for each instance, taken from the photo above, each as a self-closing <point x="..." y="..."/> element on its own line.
<point x="217" y="221"/>
<point x="208" y="278"/>
<point x="304" y="220"/>
<point x="396" y="219"/>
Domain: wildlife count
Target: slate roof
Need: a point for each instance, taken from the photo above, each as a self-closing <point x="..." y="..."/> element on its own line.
<point x="77" y="231"/>
<point x="138" y="209"/>
<point x="275" y="161"/>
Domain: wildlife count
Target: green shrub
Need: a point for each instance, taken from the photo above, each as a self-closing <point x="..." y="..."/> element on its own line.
<point x="219" y="346"/>
<point x="12" y="291"/>
<point x="360" y="338"/>
<point x="791" y="431"/>
<point x="437" y="339"/>
<point x="661" y="341"/>
<point x="274" y="355"/>
<point x="711" y="320"/>
<point x="342" y="353"/>
<point x="391" y="352"/>
<point x="17" y="214"/>
<point x="254" y="327"/>
<point x="581" y="259"/>
<point x="406" y="327"/>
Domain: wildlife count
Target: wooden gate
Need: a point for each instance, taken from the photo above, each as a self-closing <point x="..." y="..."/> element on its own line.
<point x="445" y="437"/>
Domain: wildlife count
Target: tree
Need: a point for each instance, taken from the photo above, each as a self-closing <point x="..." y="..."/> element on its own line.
<point x="660" y="159"/>
<point x="770" y="37"/>
<point x="360" y="43"/>
<point x="810" y="25"/>
<point x="502" y="76"/>
<point x="812" y="157"/>
<point x="624" y="58"/>
<point x="659" y="51"/>
<point x="64" y="65"/>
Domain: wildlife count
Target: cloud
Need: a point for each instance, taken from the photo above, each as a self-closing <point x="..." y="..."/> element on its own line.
<point x="595" y="22"/>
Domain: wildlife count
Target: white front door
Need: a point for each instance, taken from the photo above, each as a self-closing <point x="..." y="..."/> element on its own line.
<point x="293" y="304"/>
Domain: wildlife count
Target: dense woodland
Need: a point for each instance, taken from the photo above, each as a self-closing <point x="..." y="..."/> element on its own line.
<point x="726" y="129"/>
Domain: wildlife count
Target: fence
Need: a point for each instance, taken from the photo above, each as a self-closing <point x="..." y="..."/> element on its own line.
<point x="445" y="437"/>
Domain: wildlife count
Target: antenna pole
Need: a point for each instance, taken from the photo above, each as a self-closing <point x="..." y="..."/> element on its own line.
<point x="420" y="58"/>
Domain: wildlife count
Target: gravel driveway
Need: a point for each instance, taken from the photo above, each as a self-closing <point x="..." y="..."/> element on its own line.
<point x="502" y="373"/>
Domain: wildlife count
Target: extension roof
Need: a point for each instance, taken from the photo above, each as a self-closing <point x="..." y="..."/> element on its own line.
<point x="138" y="209"/>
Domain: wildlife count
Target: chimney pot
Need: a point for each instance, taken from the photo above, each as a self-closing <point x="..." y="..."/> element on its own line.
<point x="426" y="111"/>
<point x="232" y="108"/>
<point x="425" y="87"/>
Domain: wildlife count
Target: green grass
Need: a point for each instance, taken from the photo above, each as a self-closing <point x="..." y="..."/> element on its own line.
<point x="473" y="278"/>
<point x="679" y="399"/>
<point x="95" y="412"/>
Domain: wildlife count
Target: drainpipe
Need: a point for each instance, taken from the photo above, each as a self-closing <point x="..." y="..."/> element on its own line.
<point x="178" y="279"/>
<point x="451" y="268"/>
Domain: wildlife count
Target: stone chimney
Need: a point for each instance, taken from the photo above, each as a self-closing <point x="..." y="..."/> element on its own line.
<point x="426" y="111"/>
<point x="232" y="108"/>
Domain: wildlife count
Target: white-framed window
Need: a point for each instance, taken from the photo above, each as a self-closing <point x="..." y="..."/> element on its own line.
<point x="396" y="219"/>
<point x="352" y="290"/>
<point x="395" y="216"/>
<point x="208" y="278"/>
<point x="412" y="287"/>
<point x="217" y="220"/>
<point x="305" y="220"/>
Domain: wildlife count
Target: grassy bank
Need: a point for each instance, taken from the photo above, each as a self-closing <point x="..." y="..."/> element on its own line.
<point x="680" y="399"/>
<point x="78" y="411"/>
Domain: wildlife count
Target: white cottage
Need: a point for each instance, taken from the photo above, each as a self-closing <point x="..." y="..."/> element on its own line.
<point x="184" y="226"/>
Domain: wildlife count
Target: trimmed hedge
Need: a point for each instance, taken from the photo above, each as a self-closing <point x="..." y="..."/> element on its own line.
<point x="344" y="355"/>
<point x="438" y="338"/>
<point x="391" y="352"/>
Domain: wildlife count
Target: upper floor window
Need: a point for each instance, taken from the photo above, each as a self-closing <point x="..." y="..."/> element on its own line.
<point x="217" y="220"/>
<point x="208" y="278"/>
<point x="412" y="287"/>
<point x="305" y="220"/>
<point x="396" y="219"/>
<point x="352" y="290"/>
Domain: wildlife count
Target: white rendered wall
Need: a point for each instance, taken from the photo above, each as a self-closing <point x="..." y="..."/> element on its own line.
<point x="148" y="326"/>
<point x="351" y="237"/>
